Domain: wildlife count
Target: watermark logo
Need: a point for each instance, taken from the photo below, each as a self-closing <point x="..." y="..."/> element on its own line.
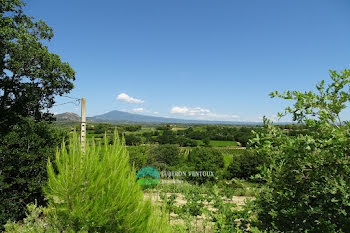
<point x="148" y="177"/>
<point x="187" y="173"/>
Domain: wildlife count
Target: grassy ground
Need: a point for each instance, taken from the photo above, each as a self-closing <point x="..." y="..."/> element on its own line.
<point x="222" y="143"/>
<point x="217" y="143"/>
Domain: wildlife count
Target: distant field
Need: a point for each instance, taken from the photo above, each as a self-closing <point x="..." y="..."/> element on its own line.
<point x="230" y="151"/>
<point x="218" y="143"/>
<point x="178" y="128"/>
<point x="223" y="143"/>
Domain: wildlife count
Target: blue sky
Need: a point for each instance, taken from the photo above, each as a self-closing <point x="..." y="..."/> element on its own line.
<point x="195" y="59"/>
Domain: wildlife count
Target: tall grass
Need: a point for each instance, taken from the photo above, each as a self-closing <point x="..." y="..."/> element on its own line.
<point x="96" y="191"/>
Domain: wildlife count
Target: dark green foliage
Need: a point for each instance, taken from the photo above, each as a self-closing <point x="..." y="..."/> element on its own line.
<point x="23" y="156"/>
<point x="167" y="137"/>
<point x="132" y="139"/>
<point x="246" y="165"/>
<point x="205" y="159"/>
<point x="165" y="156"/>
<point x="148" y="137"/>
<point x="186" y="142"/>
<point x="219" y="133"/>
<point x="206" y="142"/>
<point x="164" y="127"/>
<point x="131" y="128"/>
<point x="30" y="76"/>
<point x="102" y="128"/>
<point x="308" y="182"/>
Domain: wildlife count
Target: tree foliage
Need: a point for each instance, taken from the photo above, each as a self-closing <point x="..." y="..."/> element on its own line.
<point x="23" y="155"/>
<point x="246" y="165"/>
<point x="308" y="181"/>
<point x="30" y="76"/>
<point x="96" y="191"/>
<point x="205" y="159"/>
<point x="165" y="156"/>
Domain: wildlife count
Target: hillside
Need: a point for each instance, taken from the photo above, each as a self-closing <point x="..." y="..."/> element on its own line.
<point x="67" y="116"/>
<point x="126" y="117"/>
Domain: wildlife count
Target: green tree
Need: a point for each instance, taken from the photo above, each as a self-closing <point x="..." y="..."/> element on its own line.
<point x="132" y="139"/>
<point x="206" y="142"/>
<point x="102" y="128"/>
<point x="96" y="191"/>
<point x="246" y="165"/>
<point x="205" y="159"/>
<point x="167" y="137"/>
<point x="138" y="156"/>
<point x="23" y="155"/>
<point x="30" y="76"/>
<point x="163" y="156"/>
<point x="308" y="182"/>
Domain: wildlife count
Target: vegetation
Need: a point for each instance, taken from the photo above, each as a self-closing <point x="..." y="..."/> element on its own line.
<point x="165" y="156"/>
<point x="307" y="184"/>
<point x="30" y="77"/>
<point x="96" y="191"/>
<point x="38" y="219"/>
<point x="294" y="178"/>
<point x="205" y="160"/>
<point x="23" y="155"/>
<point x="247" y="165"/>
<point x="275" y="178"/>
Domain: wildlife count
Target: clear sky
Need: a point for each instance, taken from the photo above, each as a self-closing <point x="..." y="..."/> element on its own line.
<point x="195" y="59"/>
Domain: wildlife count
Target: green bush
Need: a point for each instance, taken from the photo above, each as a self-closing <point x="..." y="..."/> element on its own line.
<point x="23" y="155"/>
<point x="138" y="156"/>
<point x="165" y="156"/>
<point x="308" y="182"/>
<point x="205" y="159"/>
<point x="167" y="137"/>
<point x="96" y="191"/>
<point x="38" y="220"/>
<point x="246" y="165"/>
<point x="132" y="139"/>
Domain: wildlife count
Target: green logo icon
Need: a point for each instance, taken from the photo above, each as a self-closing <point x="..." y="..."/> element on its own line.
<point x="148" y="177"/>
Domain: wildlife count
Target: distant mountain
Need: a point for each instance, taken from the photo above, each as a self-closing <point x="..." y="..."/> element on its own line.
<point x="126" y="117"/>
<point x="67" y="116"/>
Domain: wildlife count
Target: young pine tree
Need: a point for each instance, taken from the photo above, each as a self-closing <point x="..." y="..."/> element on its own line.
<point x="96" y="191"/>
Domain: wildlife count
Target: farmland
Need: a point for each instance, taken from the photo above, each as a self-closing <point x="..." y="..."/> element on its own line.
<point x="180" y="135"/>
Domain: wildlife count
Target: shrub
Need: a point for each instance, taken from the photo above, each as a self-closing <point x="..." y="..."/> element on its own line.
<point x="96" y="191"/>
<point x="165" y="156"/>
<point x="23" y="156"/>
<point x="308" y="184"/>
<point x="38" y="220"/>
<point x="167" y="137"/>
<point x="138" y="156"/>
<point x="246" y="165"/>
<point x="205" y="159"/>
<point x="308" y="181"/>
<point x="132" y="139"/>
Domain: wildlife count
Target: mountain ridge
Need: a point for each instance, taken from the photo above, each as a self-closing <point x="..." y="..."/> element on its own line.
<point x="116" y="116"/>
